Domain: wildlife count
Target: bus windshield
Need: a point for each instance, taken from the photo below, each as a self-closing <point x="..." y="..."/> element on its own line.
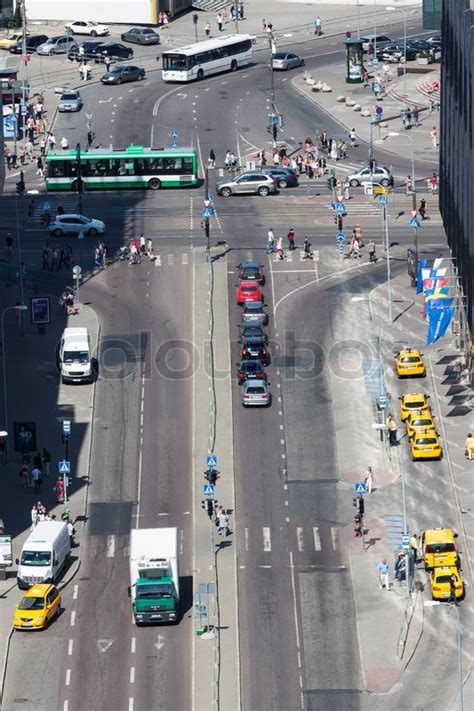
<point x="175" y="62"/>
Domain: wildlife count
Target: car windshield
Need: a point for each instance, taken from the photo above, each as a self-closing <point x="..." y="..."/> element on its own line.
<point x="415" y="404"/>
<point x="69" y="97"/>
<point x="410" y="359"/>
<point x="440" y="548"/>
<point x="35" y="558"/>
<point x="76" y="357"/>
<point x="249" y="288"/>
<point x="177" y="62"/>
<point x="421" y="423"/>
<point x="116" y="70"/>
<point x="83" y="218"/>
<point x="443" y="578"/>
<point x="279" y="55"/>
<point x="32" y="603"/>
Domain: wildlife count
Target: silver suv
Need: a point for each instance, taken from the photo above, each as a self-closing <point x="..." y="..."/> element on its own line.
<point x="378" y="174"/>
<point x="247" y="183"/>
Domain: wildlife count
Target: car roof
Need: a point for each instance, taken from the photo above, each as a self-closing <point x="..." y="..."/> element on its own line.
<point x="253" y="305"/>
<point x="39" y="589"/>
<point x="254" y="340"/>
<point x="438" y="535"/>
<point x="414" y="396"/>
<point x="250" y="363"/>
<point x="250" y="264"/>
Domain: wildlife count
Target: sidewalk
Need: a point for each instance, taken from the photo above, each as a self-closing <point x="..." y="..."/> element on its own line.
<point x="36" y="395"/>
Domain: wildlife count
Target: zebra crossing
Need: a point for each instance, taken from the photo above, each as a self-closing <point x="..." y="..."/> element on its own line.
<point x="304" y="539"/>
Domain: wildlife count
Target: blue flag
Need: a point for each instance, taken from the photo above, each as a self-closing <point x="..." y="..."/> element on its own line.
<point x="441" y="313"/>
<point x="422" y="264"/>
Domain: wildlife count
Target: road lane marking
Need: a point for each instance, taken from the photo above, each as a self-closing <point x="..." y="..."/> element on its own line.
<point x="334" y="537"/>
<point x="73" y="618"/>
<point x="185" y="258"/>
<point x="132" y="675"/>
<point x="133" y="645"/>
<point x="299" y="535"/>
<point x="69" y="646"/>
<point x="66" y="705"/>
<point x="68" y="677"/>
<point x="130" y="704"/>
<point x="317" y="538"/>
<point x="246" y="539"/>
<point x="170" y="258"/>
<point x="158" y="261"/>
<point x="75" y="592"/>
<point x="267" y="543"/>
<point x="111" y="546"/>
<point x="295" y="610"/>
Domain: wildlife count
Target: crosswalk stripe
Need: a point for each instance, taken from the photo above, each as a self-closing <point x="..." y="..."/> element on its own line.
<point x="334" y="537"/>
<point x="267" y="544"/>
<point x="170" y="258"/>
<point x="158" y="261"/>
<point x="111" y="546"/>
<point x="185" y="258"/>
<point x="299" y="536"/>
<point x="289" y="256"/>
<point x="317" y="538"/>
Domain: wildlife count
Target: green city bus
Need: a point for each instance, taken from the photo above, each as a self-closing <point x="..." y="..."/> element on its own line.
<point x="132" y="167"/>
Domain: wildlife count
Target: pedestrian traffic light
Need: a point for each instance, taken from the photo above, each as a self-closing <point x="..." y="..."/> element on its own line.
<point x="339" y="223"/>
<point x="331" y="182"/>
<point x="208" y="505"/>
<point x="355" y="501"/>
<point x="361" y="505"/>
<point x="20" y="187"/>
<point x="211" y="475"/>
<point x="206" y="226"/>
<point x="275" y="131"/>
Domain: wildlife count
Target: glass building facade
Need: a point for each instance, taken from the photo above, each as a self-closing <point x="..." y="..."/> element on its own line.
<point x="456" y="140"/>
<point x="432" y="14"/>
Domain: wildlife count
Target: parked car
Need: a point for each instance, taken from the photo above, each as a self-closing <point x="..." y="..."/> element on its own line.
<point x="286" y="60"/>
<point x="396" y="52"/>
<point x="38" y="607"/>
<point x="113" y="50"/>
<point x="75" y="224"/>
<point x="409" y="362"/>
<point x="419" y="422"/>
<point x="438" y="547"/>
<point x="375" y="39"/>
<point x="251" y="370"/>
<point x="248" y="291"/>
<point x="420" y="45"/>
<point x="250" y="331"/>
<point x="256" y="349"/>
<point x="413" y="402"/>
<point x="256" y="393"/>
<point x="253" y="313"/>
<point x="32" y="43"/>
<point x="434" y="41"/>
<point x="70" y="101"/>
<point x="11" y="38"/>
<point x="284" y="177"/>
<point x="122" y="74"/>
<point x="140" y="35"/>
<point x="440" y="579"/>
<point x="247" y="183"/>
<point x="251" y="271"/>
<point x="366" y="175"/>
<point x="86" y="50"/>
<point x="57" y="45"/>
<point x="425" y="445"/>
<point x="87" y="27"/>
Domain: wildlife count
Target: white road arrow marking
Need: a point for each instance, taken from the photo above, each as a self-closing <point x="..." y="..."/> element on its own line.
<point x="183" y="95"/>
<point x="105" y="101"/>
<point x="160" y="643"/>
<point x="104" y="644"/>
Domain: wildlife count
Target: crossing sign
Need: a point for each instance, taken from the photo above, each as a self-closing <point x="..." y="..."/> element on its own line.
<point x="340" y="237"/>
<point x="46" y="206"/>
<point x="360" y="487"/>
<point x="340" y="208"/>
<point x="415" y="223"/>
<point x="173" y="144"/>
<point x="64" y="467"/>
<point x="211" y="461"/>
<point x="206" y="212"/>
<point x="209" y="490"/>
<point x="382" y="199"/>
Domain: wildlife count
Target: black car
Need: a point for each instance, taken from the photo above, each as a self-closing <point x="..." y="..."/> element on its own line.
<point x="140" y="35"/>
<point x="253" y="314"/>
<point x="112" y="50"/>
<point x="255" y="349"/>
<point x="122" y="74"/>
<point x="396" y="51"/>
<point x="85" y="50"/>
<point x="31" y="44"/>
<point x="251" y="370"/>
<point x="251" y="331"/>
<point x="285" y="177"/>
<point x="251" y="271"/>
<point x="420" y="45"/>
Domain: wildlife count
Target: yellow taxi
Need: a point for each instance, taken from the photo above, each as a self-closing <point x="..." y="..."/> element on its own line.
<point x="11" y="38"/>
<point x="380" y="190"/>
<point x="438" y="548"/>
<point x="37" y="607"/>
<point x="425" y="445"/>
<point x="416" y="421"/>
<point x="413" y="402"/>
<point x="440" y="580"/>
<point x="409" y="363"/>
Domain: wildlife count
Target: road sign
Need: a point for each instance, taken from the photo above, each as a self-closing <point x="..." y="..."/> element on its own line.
<point x="174" y="133"/>
<point x="406" y="541"/>
<point x="64" y="467"/>
<point x="209" y="490"/>
<point x="376" y="87"/>
<point x="383" y="401"/>
<point x="207" y="203"/>
<point x="415" y="223"/>
<point x="211" y="460"/>
<point x="340" y="208"/>
<point x="207" y="212"/>
<point x="24" y="109"/>
<point x="173" y="144"/>
<point x="46" y="206"/>
<point x="360" y="487"/>
<point x="66" y="428"/>
<point x="77" y="271"/>
<point x="211" y="197"/>
<point x="340" y="237"/>
<point x="368" y="188"/>
<point x="382" y="199"/>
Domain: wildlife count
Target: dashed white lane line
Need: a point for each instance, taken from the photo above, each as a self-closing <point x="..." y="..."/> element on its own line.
<point x="75" y="592"/>
<point x="334" y="537"/>
<point x="267" y="542"/>
<point x="66" y="705"/>
<point x="132" y="675"/>
<point x="170" y="258"/>
<point x="130" y="704"/>
<point x="70" y="646"/>
<point x="68" y="677"/>
<point x="111" y="546"/>
<point x="246" y="539"/>
<point x="317" y="538"/>
<point x="73" y="618"/>
<point x="133" y="645"/>
<point x="299" y="536"/>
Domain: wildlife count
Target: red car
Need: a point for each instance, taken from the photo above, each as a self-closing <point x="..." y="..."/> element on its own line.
<point x="248" y="291"/>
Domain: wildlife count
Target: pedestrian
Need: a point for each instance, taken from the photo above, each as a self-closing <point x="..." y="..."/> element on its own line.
<point x="452" y="589"/>
<point x="90" y="138"/>
<point x="343" y="150"/>
<point x="85" y="71"/>
<point x="352" y="137"/>
<point x="233" y="13"/>
<point x="60" y="210"/>
<point x="24" y="475"/>
<point x="370" y="51"/>
<point x="414" y="547"/>
<point x="55" y="259"/>
<point x="142" y="244"/>
<point x="263" y="158"/>
<point x="365" y="77"/>
<point x="371" y="249"/>
<point x="469" y="447"/>
<point x="64" y="143"/>
<point x="279" y="249"/>
<point x="34" y="516"/>
<point x="291" y="239"/>
<point x="98" y="257"/>
<point x="58" y="489"/>
<point x="264" y="25"/>
<point x="307" y="248"/>
<point x="241" y="11"/>
<point x="220" y="21"/>
<point x="346" y="189"/>
<point x="416" y="116"/>
<point x="31" y="210"/>
<point x="37" y="461"/>
<point x="71" y="531"/>
<point x="434" y="137"/>
<point x="433" y="184"/>
<point x="369" y="479"/>
<point x="69" y="304"/>
<point x="270" y="242"/>
<point x="42" y="146"/>
<point x="334" y="151"/>
<point x="408" y="185"/>
<point x="408" y="118"/>
<point x="22" y="154"/>
<point x="317" y="26"/>
<point x="107" y="63"/>
<point x="383" y="575"/>
<point x="46" y="457"/>
<point x="207" y="30"/>
<point x="36" y="479"/>
<point x="51" y="141"/>
<point x="63" y="258"/>
<point x="40" y="167"/>
<point x="149" y="249"/>
<point x="392" y="430"/>
<point x="222" y="522"/>
<point x="400" y="566"/>
<point x="422" y="209"/>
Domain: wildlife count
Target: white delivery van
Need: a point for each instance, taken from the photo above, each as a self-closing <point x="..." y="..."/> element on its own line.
<point x="45" y="553"/>
<point x="75" y="359"/>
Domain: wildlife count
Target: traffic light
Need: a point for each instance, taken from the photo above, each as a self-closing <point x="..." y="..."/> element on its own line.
<point x="339" y="223"/>
<point x="209" y="506"/>
<point x="211" y="475"/>
<point x="355" y="501"/>
<point x="361" y="505"/>
<point x="206" y="226"/>
<point x="331" y="182"/>
<point x="20" y="187"/>
<point x="275" y="131"/>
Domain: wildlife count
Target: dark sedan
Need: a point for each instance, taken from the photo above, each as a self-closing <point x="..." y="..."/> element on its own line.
<point x="86" y="50"/>
<point x="395" y="52"/>
<point x="250" y="370"/>
<point x="31" y="44"/>
<point x="284" y="177"/>
<point x="255" y="349"/>
<point x="140" y="35"/>
<point x="122" y="74"/>
<point x="249" y="332"/>
<point x="112" y="50"/>
<point x="251" y="271"/>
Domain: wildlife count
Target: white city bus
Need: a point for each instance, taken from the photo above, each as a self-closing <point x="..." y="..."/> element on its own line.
<point x="223" y="54"/>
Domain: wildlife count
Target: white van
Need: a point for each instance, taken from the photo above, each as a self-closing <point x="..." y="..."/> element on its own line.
<point x="45" y="553"/>
<point x="75" y="359"/>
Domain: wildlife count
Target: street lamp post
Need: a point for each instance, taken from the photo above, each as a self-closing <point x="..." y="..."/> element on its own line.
<point x="453" y="606"/>
<point x="18" y="308"/>
<point x="405" y="16"/>
<point x="387" y="249"/>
